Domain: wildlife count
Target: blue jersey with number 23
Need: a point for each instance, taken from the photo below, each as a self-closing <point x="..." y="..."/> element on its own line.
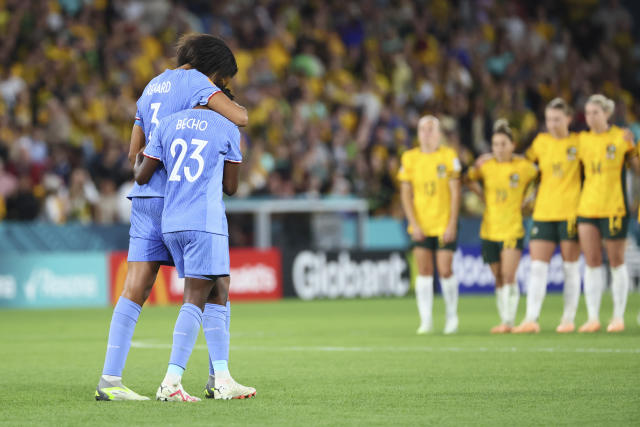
<point x="193" y="146"/>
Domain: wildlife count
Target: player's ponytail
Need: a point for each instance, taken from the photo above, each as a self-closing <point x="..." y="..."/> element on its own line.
<point x="502" y="126"/>
<point x="207" y="54"/>
<point x="607" y="105"/>
<point x="560" y="104"/>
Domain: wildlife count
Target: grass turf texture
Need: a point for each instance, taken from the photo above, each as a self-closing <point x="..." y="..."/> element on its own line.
<point x="330" y="363"/>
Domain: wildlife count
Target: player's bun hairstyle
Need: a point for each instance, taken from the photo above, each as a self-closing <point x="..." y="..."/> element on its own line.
<point x="560" y="104"/>
<point x="605" y="103"/>
<point x="207" y="54"/>
<point x="502" y="126"/>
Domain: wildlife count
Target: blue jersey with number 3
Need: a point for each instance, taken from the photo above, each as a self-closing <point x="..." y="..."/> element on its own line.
<point x="193" y="146"/>
<point x="168" y="93"/>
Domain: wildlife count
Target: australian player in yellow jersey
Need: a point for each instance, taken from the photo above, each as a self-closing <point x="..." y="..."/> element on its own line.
<point x="602" y="212"/>
<point x="430" y="193"/>
<point x="505" y="179"/>
<point x="554" y="216"/>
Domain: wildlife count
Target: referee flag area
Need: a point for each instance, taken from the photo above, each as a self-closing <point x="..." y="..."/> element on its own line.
<point x="342" y="362"/>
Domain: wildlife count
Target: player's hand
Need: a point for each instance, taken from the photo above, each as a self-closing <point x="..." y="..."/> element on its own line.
<point x="416" y="233"/>
<point x="482" y="159"/>
<point x="450" y="233"/>
<point x="628" y="135"/>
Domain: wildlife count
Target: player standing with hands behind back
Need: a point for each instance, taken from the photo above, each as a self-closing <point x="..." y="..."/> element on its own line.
<point x="200" y="149"/>
<point x="430" y="193"/>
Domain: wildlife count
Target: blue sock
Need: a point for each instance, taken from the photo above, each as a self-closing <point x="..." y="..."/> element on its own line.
<point x="123" y="322"/>
<point x="228" y="322"/>
<point x="185" y="334"/>
<point x="228" y="316"/>
<point x="215" y="331"/>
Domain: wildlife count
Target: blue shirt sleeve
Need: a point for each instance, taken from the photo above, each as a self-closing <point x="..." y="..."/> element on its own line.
<point x="153" y="149"/>
<point x="138" y="120"/>
<point x="234" y="155"/>
<point x="202" y="88"/>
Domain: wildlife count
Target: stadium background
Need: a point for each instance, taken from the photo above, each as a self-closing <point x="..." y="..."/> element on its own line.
<point x="334" y="91"/>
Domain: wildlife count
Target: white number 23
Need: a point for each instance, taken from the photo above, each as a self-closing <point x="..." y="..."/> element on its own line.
<point x="175" y="172"/>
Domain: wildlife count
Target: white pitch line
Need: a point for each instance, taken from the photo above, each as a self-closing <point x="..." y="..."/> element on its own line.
<point x="141" y="344"/>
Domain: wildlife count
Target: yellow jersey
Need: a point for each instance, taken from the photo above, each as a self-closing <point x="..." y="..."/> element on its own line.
<point x="560" y="181"/>
<point x="504" y="184"/>
<point x="429" y="175"/>
<point x="603" y="158"/>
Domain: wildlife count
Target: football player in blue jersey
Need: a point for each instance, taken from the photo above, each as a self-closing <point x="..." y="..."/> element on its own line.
<point x="202" y="60"/>
<point x="200" y="149"/>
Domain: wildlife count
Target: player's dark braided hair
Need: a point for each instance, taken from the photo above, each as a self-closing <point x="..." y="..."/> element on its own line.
<point x="207" y="54"/>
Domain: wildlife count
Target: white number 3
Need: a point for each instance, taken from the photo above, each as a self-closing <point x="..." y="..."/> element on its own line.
<point x="200" y="144"/>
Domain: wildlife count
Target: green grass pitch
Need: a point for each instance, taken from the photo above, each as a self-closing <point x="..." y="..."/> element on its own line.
<point x="354" y="362"/>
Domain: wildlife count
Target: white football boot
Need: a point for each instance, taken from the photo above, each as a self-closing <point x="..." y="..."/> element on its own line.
<point x="227" y="388"/>
<point x="174" y="393"/>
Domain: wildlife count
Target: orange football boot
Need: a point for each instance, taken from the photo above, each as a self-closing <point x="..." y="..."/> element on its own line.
<point x="501" y="329"/>
<point x="590" y="327"/>
<point x="616" y="325"/>
<point x="526" y="328"/>
<point x="565" y="328"/>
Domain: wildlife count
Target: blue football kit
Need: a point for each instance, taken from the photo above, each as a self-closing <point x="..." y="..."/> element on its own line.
<point x="167" y="93"/>
<point x="193" y="146"/>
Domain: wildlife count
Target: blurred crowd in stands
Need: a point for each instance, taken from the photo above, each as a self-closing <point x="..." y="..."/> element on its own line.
<point x="334" y="88"/>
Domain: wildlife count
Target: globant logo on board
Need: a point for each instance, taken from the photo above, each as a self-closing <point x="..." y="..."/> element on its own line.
<point x="253" y="278"/>
<point x="44" y="283"/>
<point x="314" y="276"/>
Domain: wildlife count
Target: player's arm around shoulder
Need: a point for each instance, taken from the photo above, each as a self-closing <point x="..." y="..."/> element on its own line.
<point x="473" y="176"/>
<point x="221" y="103"/>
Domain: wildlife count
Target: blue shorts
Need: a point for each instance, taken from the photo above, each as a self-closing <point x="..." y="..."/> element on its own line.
<point x="198" y="253"/>
<point x="145" y="235"/>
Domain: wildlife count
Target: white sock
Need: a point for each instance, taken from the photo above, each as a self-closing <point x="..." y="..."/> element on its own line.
<point x="424" y="298"/>
<point x="171" y="379"/>
<point x="537" y="289"/>
<point x="112" y="378"/>
<point x="571" y="290"/>
<point x="450" y="295"/>
<point x="512" y="295"/>
<point x="619" y="290"/>
<point x="501" y="304"/>
<point x="593" y="287"/>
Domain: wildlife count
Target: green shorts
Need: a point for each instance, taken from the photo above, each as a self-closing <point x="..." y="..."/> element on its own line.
<point x="491" y="249"/>
<point x="435" y="243"/>
<point x="554" y="231"/>
<point x="610" y="228"/>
